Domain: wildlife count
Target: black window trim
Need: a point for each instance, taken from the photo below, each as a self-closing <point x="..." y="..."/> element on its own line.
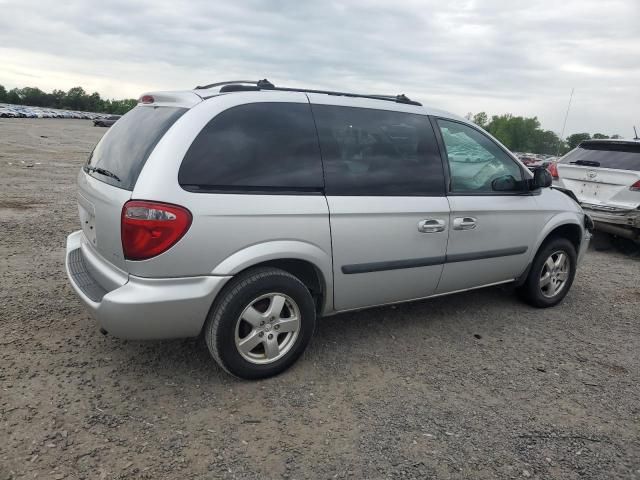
<point x="445" y="160"/>
<point x="428" y="120"/>
<point x="251" y="190"/>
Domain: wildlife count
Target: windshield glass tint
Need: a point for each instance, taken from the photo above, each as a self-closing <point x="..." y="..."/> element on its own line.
<point x="621" y="156"/>
<point x="125" y="147"/>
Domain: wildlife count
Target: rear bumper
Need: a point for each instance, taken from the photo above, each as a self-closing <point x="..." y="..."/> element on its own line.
<point x="622" y="223"/>
<point x="628" y="218"/>
<point x="139" y="308"/>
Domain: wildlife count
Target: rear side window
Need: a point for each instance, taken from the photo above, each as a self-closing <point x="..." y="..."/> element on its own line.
<point x="378" y="152"/>
<point x="260" y="147"/>
<point x="621" y="156"/>
<point x="124" y="149"/>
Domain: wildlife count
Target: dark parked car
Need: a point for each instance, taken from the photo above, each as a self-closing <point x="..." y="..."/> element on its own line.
<point x="106" y="121"/>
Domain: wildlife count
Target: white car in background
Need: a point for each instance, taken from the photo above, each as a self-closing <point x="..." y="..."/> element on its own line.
<point x="604" y="175"/>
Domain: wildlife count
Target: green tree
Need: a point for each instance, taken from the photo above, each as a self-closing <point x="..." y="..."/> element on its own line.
<point x="120" y="107"/>
<point x="547" y="142"/>
<point x="94" y="102"/>
<point x="600" y="135"/>
<point x="33" y="96"/>
<point x="76" y="99"/>
<point x="57" y="99"/>
<point x="517" y="133"/>
<point x="480" y="119"/>
<point x="574" y="140"/>
<point x="616" y="136"/>
<point x="14" y="96"/>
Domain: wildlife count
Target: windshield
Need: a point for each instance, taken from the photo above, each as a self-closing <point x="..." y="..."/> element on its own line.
<point x="621" y="156"/>
<point x="124" y="149"/>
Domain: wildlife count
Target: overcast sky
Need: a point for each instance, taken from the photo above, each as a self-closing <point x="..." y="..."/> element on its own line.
<point x="497" y="56"/>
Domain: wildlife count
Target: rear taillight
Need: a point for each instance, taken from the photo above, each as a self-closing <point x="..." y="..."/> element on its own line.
<point x="553" y="170"/>
<point x="635" y="187"/>
<point x="151" y="228"/>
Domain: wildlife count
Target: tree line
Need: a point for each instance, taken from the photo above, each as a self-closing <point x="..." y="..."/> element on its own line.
<point x="74" y="99"/>
<point x="521" y="134"/>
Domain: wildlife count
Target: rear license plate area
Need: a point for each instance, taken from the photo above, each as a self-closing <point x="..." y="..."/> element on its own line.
<point x="589" y="190"/>
<point x="87" y="219"/>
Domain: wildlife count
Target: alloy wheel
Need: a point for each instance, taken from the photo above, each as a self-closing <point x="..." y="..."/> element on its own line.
<point x="267" y="328"/>
<point x="554" y="274"/>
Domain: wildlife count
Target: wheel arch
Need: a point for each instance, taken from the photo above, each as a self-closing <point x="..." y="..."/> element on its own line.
<point x="306" y="261"/>
<point x="565" y="225"/>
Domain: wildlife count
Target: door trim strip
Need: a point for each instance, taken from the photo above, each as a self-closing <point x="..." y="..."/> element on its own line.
<point x="392" y="265"/>
<point x="430" y="261"/>
<point x="503" y="252"/>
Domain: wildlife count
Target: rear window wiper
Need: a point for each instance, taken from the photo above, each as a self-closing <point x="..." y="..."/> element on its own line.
<point x="102" y="171"/>
<point x="586" y="163"/>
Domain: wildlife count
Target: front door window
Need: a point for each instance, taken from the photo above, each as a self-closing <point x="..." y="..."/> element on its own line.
<point x="476" y="163"/>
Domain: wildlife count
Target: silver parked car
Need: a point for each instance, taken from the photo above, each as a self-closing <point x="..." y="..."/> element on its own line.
<point x="106" y="121"/>
<point x="244" y="211"/>
<point x="604" y="175"/>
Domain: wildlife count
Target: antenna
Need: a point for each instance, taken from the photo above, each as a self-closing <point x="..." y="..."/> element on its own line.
<point x="565" y="119"/>
<point x="636" y="132"/>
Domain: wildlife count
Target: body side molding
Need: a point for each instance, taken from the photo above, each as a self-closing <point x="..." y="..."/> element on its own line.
<point x="429" y="261"/>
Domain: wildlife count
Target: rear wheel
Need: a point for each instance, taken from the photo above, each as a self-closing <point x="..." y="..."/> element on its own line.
<point x="551" y="275"/>
<point x="261" y="324"/>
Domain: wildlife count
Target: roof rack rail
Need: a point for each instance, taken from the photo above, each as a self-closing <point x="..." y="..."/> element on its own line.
<point x="265" y="84"/>
<point x="229" y="82"/>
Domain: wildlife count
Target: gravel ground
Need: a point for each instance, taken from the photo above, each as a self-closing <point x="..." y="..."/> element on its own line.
<point x="476" y="385"/>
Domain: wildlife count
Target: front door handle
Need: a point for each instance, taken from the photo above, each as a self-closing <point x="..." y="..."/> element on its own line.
<point x="464" y="223"/>
<point x="431" y="225"/>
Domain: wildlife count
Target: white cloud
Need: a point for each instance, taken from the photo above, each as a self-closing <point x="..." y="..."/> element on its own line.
<point x="492" y="55"/>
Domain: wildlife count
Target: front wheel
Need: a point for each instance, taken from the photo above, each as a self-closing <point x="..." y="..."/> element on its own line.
<point x="261" y="324"/>
<point x="551" y="275"/>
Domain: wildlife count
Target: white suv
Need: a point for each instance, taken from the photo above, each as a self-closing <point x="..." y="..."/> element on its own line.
<point x="604" y="175"/>
<point x="244" y="211"/>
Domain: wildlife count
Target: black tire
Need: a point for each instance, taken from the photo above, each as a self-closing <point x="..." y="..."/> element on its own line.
<point x="220" y="328"/>
<point x="531" y="291"/>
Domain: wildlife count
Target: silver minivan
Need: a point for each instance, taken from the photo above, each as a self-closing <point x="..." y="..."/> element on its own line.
<point x="243" y="211"/>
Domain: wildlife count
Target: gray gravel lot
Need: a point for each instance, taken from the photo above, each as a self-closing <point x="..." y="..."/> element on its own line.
<point x="476" y="385"/>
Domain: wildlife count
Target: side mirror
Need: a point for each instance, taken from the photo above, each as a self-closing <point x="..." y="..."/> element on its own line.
<point x="541" y="178"/>
<point x="505" y="183"/>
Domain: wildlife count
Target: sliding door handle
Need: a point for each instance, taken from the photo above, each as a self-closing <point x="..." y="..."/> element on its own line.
<point x="464" y="223"/>
<point x="431" y="225"/>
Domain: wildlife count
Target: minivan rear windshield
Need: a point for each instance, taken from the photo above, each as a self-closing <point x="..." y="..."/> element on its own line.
<point x="618" y="155"/>
<point x="119" y="157"/>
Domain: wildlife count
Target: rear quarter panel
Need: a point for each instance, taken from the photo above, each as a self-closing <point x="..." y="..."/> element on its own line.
<point x="230" y="232"/>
